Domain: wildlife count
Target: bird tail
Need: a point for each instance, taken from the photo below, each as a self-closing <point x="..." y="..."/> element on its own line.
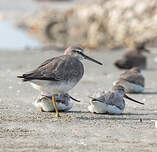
<point x="20" y="76"/>
<point x="23" y="77"/>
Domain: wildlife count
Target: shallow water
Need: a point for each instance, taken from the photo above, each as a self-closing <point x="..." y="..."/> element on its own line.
<point x="12" y="38"/>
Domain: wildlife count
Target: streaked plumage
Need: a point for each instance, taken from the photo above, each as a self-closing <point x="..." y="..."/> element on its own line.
<point x="132" y="80"/>
<point x="133" y="58"/>
<point x="111" y="102"/>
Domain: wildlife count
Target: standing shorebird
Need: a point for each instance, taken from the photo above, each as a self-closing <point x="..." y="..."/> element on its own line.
<point x="132" y="80"/>
<point x="111" y="102"/>
<point x="60" y="74"/>
<point x="63" y="102"/>
<point x="133" y="58"/>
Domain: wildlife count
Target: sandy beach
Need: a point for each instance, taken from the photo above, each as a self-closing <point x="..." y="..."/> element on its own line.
<point x="24" y="128"/>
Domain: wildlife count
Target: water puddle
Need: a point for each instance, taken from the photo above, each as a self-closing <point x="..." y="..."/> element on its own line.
<point x="12" y="38"/>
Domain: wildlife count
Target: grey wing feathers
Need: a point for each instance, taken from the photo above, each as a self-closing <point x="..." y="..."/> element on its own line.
<point x="46" y="62"/>
<point x="55" y="69"/>
<point x="37" y="73"/>
<point x="133" y="77"/>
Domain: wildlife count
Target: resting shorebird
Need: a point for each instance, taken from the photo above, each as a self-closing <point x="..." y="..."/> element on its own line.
<point x="111" y="102"/>
<point x="133" y="58"/>
<point x="60" y="74"/>
<point x="132" y="80"/>
<point x="63" y="102"/>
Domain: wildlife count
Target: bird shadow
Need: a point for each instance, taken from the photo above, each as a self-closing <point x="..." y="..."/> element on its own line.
<point x="77" y="112"/>
<point x="146" y="93"/>
<point x="88" y="116"/>
<point x="123" y="116"/>
<point x="149" y="92"/>
<point x="138" y="114"/>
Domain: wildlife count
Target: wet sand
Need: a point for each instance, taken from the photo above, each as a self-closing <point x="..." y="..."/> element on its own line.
<point x="24" y="128"/>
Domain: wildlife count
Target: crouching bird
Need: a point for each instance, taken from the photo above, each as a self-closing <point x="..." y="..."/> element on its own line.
<point x="133" y="58"/>
<point x="132" y="80"/>
<point x="63" y="102"/>
<point x="111" y="102"/>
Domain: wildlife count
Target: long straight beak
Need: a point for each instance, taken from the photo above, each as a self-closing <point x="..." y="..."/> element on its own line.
<point x="74" y="99"/>
<point x="133" y="99"/>
<point x="94" y="99"/>
<point x="90" y="59"/>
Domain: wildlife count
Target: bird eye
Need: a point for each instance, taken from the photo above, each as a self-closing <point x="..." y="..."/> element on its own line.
<point x="76" y="51"/>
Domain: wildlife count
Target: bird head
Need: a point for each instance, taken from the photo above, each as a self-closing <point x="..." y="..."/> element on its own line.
<point x="121" y="90"/>
<point x="118" y="88"/>
<point x="78" y="53"/>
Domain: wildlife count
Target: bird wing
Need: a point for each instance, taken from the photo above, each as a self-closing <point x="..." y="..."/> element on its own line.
<point x="130" y="59"/>
<point x="56" y="69"/>
<point x="46" y="62"/>
<point x="124" y="63"/>
<point x="101" y="98"/>
<point x="133" y="77"/>
<point x="135" y="58"/>
<point x="114" y="99"/>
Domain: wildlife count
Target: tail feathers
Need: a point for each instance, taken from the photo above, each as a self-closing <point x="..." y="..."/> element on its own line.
<point x="20" y="76"/>
<point x="24" y="77"/>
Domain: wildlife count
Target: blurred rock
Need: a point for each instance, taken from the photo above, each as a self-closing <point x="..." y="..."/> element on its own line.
<point x="109" y="23"/>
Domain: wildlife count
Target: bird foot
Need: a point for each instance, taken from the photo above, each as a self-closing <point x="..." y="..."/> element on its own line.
<point x="58" y="115"/>
<point x="41" y="109"/>
<point x="62" y="116"/>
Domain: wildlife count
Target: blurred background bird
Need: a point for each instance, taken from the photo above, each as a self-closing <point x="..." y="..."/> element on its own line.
<point x="134" y="57"/>
<point x="132" y="80"/>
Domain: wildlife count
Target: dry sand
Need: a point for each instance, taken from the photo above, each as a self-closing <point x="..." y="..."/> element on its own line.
<point x="24" y="128"/>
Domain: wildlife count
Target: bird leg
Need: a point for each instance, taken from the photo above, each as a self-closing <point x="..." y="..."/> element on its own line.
<point x="55" y="107"/>
<point x="41" y="109"/>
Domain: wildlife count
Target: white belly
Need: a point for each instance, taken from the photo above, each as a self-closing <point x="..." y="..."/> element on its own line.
<point x="130" y="87"/>
<point x="47" y="105"/>
<point x="49" y="87"/>
<point x="99" y="107"/>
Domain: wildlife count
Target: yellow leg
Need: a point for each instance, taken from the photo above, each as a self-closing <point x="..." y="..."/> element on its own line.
<point x="41" y="109"/>
<point x="55" y="107"/>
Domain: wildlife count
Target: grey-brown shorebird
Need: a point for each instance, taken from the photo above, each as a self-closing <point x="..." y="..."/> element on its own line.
<point x="60" y="74"/>
<point x="132" y="80"/>
<point x="111" y="102"/>
<point x="133" y="58"/>
<point x="63" y="102"/>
